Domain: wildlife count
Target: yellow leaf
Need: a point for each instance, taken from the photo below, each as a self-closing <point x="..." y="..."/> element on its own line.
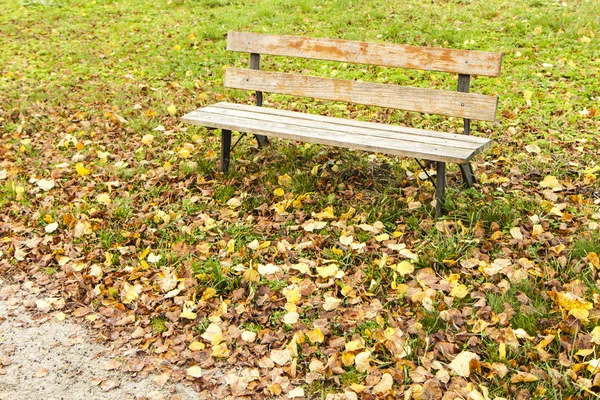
<point x="302" y="268"/>
<point x="459" y="291"/>
<point x="194" y="372"/>
<point x="292" y="295"/>
<point x="594" y="259"/>
<point x="251" y="275"/>
<point x="328" y="270"/>
<point x="209" y="293"/>
<point x="81" y="170"/>
<point x="580" y="313"/>
<point x="196" y="346"/>
<point x="596" y="335"/>
<point x="284" y="180"/>
<point x="347" y="358"/>
<point x="147" y="139"/>
<point x="172" y="109"/>
<point x="569" y="301"/>
<point x="327" y="213"/>
<point x="551" y="182"/>
<point x="354" y="345"/>
<point x="382" y="237"/>
<point x="188" y="310"/>
<point x="502" y="351"/>
<point x="61" y="316"/>
<point x="104" y="198"/>
<point x="315" y="336"/>
<point x="282" y="206"/>
<point x="130" y="292"/>
<point x="279" y="192"/>
<point x="584" y="352"/>
<point x="593" y="366"/>
<point x="275" y="389"/>
<point x="405" y="268"/>
<point x="220" y="350"/>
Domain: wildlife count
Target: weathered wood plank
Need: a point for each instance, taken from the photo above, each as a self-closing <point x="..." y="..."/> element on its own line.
<point x="454" y="104"/>
<point x="333" y="124"/>
<point x="343" y="122"/>
<point x="339" y="138"/>
<point x="385" y="54"/>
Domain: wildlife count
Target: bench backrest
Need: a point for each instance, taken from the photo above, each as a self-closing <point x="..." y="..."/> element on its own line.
<point x="456" y="104"/>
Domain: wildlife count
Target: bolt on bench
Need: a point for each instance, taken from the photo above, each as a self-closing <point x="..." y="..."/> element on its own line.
<point x="441" y="147"/>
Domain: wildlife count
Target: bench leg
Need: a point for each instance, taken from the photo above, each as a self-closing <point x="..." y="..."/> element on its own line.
<point x="440" y="188"/>
<point x="262" y="140"/>
<point x="225" y="149"/>
<point x="467" y="174"/>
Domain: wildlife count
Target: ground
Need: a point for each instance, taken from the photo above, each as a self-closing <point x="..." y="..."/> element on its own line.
<point x="306" y="271"/>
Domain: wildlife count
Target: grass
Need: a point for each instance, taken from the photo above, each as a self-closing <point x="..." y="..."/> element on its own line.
<point x="86" y="82"/>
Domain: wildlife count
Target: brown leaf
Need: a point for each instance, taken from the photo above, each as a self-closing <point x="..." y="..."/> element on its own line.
<point x="109" y="384"/>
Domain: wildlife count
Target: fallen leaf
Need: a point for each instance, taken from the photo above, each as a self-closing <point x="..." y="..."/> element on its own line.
<point x="363" y="361"/>
<point x="516" y="233"/>
<point x="384" y="385"/>
<point x="109" y="384"/>
<point x="46" y="184"/>
<point x="194" y="371"/>
<point x="280" y="357"/>
<point x="552" y="183"/>
<point x="331" y="303"/>
<point x="297" y="392"/>
<point x="461" y="363"/>
<point x="40" y="373"/>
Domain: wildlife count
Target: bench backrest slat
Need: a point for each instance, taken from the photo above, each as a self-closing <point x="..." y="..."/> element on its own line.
<point x="383" y="54"/>
<point x="455" y="104"/>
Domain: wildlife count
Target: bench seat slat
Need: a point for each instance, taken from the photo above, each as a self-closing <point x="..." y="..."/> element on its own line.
<point x="455" y="104"/>
<point x="384" y="54"/>
<point x="306" y="131"/>
<point x="373" y="128"/>
<point x="332" y="124"/>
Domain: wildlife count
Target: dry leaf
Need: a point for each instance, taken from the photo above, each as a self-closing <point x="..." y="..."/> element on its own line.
<point x="461" y="363"/>
<point x="194" y="371"/>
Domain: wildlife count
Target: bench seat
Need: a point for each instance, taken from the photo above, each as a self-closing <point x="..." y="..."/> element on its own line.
<point x="382" y="138"/>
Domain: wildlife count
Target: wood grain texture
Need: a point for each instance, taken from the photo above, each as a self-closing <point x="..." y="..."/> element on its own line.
<point x="454" y="104"/>
<point x="296" y="127"/>
<point x="372" y="130"/>
<point x="384" y="54"/>
<point x="343" y="123"/>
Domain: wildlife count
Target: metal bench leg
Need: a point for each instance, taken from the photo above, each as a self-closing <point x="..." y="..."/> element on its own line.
<point x="440" y="188"/>
<point x="467" y="174"/>
<point x="225" y="149"/>
<point x="262" y="140"/>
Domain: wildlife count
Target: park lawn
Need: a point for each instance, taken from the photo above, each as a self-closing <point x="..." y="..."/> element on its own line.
<point x="306" y="270"/>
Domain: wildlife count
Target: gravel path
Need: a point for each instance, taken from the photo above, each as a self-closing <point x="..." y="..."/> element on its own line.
<point x="54" y="360"/>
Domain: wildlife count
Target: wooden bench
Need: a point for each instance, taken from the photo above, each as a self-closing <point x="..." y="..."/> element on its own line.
<point x="441" y="147"/>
